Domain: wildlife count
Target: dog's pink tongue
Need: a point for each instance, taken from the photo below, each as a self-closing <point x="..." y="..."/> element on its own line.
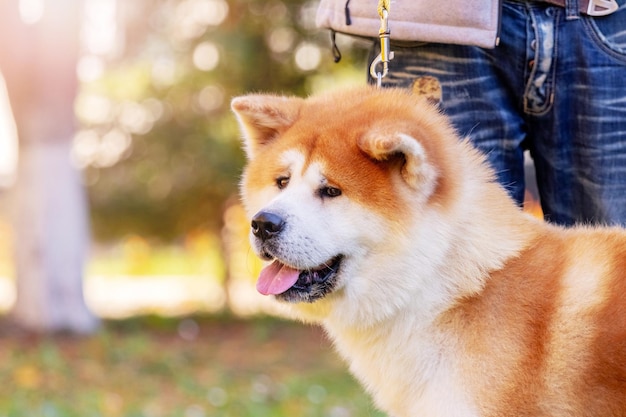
<point x="276" y="278"/>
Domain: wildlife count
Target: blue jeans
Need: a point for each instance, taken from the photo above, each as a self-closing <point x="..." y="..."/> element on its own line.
<point x="556" y="86"/>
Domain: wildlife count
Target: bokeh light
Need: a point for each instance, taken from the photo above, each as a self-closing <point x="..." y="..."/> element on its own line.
<point x="308" y="56"/>
<point x="206" y="56"/>
<point x="31" y="11"/>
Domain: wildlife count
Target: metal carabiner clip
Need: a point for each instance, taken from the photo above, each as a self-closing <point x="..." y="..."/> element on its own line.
<point x="385" y="54"/>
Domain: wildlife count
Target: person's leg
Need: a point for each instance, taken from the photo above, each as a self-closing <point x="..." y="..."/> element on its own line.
<point x="579" y="146"/>
<point x="479" y="91"/>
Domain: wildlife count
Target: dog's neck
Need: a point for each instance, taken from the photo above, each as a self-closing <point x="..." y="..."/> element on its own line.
<point x="480" y="240"/>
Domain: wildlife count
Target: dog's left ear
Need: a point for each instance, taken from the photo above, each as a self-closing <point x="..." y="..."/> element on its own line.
<point x="262" y="118"/>
<point x="416" y="169"/>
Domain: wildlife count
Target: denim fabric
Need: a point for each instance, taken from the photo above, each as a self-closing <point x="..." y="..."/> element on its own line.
<point x="555" y="85"/>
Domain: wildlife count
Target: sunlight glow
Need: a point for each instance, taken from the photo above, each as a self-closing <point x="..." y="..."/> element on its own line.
<point x="210" y="98"/>
<point x="101" y="151"/>
<point x="164" y="71"/>
<point x="8" y="140"/>
<point x="206" y="56"/>
<point x="99" y="37"/>
<point x="31" y="11"/>
<point x="308" y="56"/>
<point x="195" y="16"/>
<point x="281" y="39"/>
<point x="90" y="68"/>
<point x="99" y="32"/>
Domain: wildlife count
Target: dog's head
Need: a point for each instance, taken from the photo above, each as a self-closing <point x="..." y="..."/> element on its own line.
<point x="335" y="187"/>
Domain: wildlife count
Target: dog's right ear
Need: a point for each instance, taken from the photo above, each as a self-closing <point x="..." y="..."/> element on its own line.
<point x="262" y="118"/>
<point x="417" y="170"/>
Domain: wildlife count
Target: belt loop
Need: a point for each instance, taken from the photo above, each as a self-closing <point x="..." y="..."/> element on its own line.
<point x="572" y="9"/>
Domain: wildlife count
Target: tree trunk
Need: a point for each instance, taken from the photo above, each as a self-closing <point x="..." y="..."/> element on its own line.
<point x="38" y="61"/>
<point x="51" y="239"/>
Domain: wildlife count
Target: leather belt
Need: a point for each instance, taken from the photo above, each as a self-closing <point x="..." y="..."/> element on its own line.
<point x="590" y="7"/>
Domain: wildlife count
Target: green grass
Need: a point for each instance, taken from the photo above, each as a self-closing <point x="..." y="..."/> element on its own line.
<point x="193" y="367"/>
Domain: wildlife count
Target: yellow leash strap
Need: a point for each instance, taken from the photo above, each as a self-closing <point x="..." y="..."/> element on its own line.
<point x="383" y="4"/>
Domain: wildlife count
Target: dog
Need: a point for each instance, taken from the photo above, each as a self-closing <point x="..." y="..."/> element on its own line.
<point x="384" y="226"/>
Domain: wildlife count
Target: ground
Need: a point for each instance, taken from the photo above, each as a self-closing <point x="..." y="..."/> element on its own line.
<point x="191" y="367"/>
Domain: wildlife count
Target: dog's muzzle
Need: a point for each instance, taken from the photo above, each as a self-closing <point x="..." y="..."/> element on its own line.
<point x="266" y="225"/>
<point x="289" y="283"/>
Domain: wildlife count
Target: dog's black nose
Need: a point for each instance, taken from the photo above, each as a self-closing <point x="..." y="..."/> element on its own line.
<point x="265" y="225"/>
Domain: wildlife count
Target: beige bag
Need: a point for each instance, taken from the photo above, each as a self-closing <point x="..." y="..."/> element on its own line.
<point x="462" y="22"/>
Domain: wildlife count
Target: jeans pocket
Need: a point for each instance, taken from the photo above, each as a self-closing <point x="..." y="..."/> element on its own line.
<point x="609" y="32"/>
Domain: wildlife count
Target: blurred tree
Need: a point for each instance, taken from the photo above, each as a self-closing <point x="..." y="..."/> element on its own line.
<point x="159" y="141"/>
<point x="38" y="53"/>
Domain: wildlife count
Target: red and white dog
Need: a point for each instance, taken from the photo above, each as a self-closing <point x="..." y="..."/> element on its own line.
<point x="444" y="298"/>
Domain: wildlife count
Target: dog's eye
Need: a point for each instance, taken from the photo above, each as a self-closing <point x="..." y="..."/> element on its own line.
<point x="330" y="192"/>
<point x="282" y="182"/>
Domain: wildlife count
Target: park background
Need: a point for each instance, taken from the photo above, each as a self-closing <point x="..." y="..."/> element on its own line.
<point x="178" y="329"/>
<point x="169" y="275"/>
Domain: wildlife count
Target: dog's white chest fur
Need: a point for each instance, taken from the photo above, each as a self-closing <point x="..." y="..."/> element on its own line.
<point x="415" y="382"/>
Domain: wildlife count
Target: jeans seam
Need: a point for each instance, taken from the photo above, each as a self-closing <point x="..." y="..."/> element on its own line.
<point x="592" y="31"/>
<point x="550" y="80"/>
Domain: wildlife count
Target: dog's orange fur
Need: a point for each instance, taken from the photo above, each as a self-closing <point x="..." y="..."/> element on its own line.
<point x="535" y="322"/>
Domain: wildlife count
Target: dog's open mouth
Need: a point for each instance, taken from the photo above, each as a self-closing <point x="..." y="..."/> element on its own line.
<point x="293" y="285"/>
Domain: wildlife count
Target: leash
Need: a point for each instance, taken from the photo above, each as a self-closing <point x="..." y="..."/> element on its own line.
<point x="385" y="54"/>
